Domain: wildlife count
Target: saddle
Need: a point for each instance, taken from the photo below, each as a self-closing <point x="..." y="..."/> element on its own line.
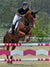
<point x="10" y="30"/>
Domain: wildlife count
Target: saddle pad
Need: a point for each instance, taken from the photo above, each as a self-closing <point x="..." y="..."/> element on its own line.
<point x="10" y="30"/>
<point x="16" y="25"/>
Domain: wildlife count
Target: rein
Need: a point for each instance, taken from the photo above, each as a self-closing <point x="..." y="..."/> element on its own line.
<point x="23" y="23"/>
<point x="27" y="21"/>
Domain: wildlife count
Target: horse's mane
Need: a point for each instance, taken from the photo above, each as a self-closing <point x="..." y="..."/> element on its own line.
<point x="28" y="13"/>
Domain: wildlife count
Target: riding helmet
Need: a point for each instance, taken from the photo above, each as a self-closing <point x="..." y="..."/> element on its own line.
<point x="25" y="3"/>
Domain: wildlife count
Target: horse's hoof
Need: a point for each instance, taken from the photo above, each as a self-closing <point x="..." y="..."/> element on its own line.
<point x="10" y="62"/>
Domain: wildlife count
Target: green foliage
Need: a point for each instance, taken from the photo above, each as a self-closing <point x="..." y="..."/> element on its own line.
<point x="8" y="8"/>
<point x="40" y="31"/>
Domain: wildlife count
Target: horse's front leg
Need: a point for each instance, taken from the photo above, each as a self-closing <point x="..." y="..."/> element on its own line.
<point x="11" y="57"/>
<point x="7" y="55"/>
<point x="30" y="34"/>
<point x="22" y="34"/>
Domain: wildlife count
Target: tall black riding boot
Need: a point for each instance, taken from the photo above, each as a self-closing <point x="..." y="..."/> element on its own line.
<point x="13" y="26"/>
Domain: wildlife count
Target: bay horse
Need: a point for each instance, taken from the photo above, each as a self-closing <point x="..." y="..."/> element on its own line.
<point x="23" y="29"/>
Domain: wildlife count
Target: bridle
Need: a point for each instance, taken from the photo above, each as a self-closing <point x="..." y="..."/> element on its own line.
<point x="27" y="21"/>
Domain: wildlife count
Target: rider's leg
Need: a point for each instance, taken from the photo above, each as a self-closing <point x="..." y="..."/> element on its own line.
<point x="13" y="26"/>
<point x="14" y="22"/>
<point x="16" y="18"/>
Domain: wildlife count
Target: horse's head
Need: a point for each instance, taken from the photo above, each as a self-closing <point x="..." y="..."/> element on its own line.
<point x="31" y="16"/>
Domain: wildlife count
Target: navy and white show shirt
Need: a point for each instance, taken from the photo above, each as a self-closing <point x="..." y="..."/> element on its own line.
<point x="22" y="11"/>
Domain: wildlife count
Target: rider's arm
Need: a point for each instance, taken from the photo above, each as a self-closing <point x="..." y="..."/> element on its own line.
<point x="20" y="14"/>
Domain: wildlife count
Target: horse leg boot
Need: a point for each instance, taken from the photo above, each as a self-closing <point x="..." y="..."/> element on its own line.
<point x="7" y="55"/>
<point x="12" y="56"/>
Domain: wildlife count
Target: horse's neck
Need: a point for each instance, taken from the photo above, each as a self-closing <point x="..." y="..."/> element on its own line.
<point x="26" y="22"/>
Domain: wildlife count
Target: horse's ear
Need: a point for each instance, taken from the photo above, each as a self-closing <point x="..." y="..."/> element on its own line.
<point x="31" y="13"/>
<point x="36" y="11"/>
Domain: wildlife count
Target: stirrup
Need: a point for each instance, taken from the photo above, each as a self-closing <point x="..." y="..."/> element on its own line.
<point x="10" y="31"/>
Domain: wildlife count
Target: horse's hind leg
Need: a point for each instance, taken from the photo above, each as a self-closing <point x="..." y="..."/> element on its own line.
<point x="12" y="56"/>
<point x="7" y="55"/>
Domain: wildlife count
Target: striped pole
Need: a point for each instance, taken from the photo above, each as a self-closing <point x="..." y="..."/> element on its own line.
<point x="24" y="44"/>
<point x="28" y="59"/>
<point x="38" y="37"/>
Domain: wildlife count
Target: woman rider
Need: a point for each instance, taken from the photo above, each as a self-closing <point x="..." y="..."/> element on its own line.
<point x="21" y="12"/>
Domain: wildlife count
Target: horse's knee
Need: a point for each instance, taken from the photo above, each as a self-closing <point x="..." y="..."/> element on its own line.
<point x="7" y="47"/>
<point x="13" y="47"/>
<point x="22" y="33"/>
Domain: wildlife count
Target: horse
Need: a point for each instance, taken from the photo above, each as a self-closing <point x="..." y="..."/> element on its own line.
<point x="23" y="29"/>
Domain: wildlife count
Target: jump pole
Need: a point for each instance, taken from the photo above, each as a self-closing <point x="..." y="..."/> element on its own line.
<point x="28" y="59"/>
<point x="24" y="44"/>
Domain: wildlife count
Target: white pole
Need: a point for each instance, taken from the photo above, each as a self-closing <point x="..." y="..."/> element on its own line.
<point x="26" y="59"/>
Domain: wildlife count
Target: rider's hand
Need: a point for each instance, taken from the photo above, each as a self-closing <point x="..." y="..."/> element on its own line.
<point x="23" y="15"/>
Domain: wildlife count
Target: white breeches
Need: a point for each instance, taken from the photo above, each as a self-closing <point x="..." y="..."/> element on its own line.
<point x="16" y="18"/>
